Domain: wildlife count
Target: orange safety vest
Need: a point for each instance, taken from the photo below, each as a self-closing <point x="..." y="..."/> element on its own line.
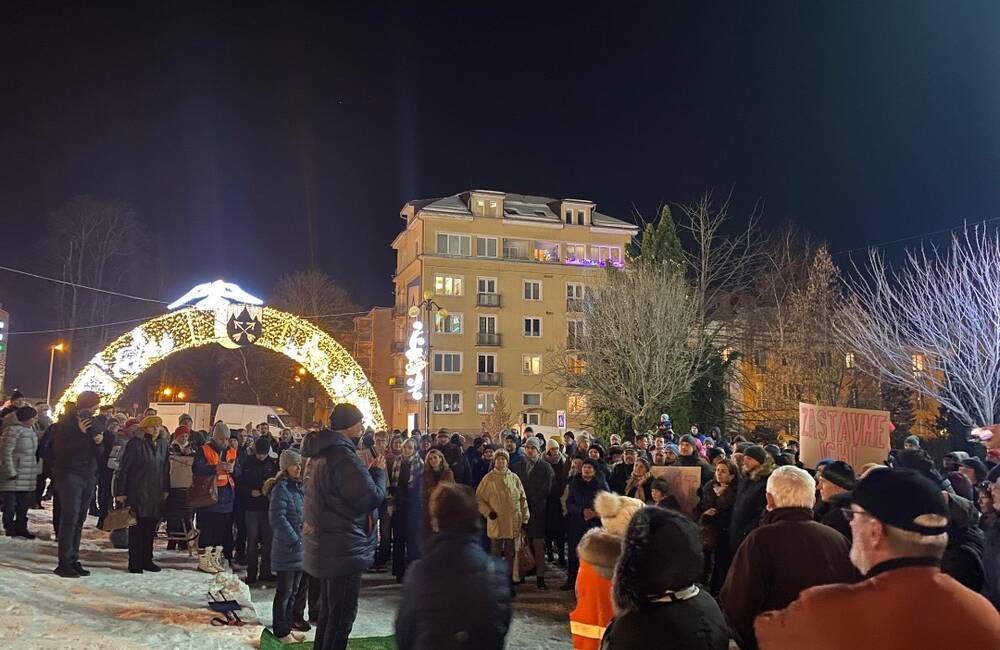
<point x="593" y="610"/>
<point x="212" y="458"/>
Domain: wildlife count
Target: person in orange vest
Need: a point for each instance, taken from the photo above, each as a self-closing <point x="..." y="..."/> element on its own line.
<point x="215" y="522"/>
<point x="598" y="553"/>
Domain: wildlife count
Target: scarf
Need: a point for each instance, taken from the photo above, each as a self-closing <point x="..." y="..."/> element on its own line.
<point x="640" y="486"/>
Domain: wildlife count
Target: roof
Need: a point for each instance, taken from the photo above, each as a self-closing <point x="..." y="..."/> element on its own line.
<point x="524" y="207"/>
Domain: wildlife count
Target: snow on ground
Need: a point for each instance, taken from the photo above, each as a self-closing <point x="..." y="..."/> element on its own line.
<point x="113" y="609"/>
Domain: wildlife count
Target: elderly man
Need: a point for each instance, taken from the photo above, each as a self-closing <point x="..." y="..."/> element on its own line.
<point x="537" y="478"/>
<point x="899" y="521"/>
<point x="788" y="553"/>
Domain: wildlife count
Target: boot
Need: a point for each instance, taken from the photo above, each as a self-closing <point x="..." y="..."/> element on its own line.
<point x="218" y="561"/>
<point x="540" y="583"/>
<point x="205" y="563"/>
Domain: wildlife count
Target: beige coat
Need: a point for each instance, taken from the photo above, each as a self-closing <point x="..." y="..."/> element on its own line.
<point x="502" y="493"/>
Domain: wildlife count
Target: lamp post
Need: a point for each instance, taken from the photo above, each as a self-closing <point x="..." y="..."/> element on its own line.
<point x="428" y="305"/>
<point x="58" y="347"/>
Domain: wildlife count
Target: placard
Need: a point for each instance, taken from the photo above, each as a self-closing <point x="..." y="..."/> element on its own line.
<point x="684" y="483"/>
<point x="857" y="436"/>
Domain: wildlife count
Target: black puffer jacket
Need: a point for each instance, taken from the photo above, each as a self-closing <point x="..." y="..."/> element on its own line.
<point x="455" y="598"/>
<point x="341" y="498"/>
<point x="829" y="513"/>
<point x="144" y="475"/>
<point x="74" y="451"/>
<point x="255" y="472"/>
<point x="963" y="557"/>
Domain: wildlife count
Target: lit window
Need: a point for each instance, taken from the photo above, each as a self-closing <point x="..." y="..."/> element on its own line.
<point x="447" y="402"/>
<point x="531" y="364"/>
<point x="448" y="285"/>
<point x="575" y="364"/>
<point x="576" y="252"/>
<point x="450" y="324"/>
<point x="849" y="360"/>
<point x="485" y="403"/>
<point x="576" y="404"/>
<point x="918" y="363"/>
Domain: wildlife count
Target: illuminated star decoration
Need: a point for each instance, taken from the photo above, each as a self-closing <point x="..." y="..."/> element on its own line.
<point x="215" y="295"/>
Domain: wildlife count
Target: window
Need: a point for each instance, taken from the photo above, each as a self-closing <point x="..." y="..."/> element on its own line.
<point x="574" y="291"/>
<point x="448" y="285"/>
<point x="486" y="363"/>
<point x="450" y="324"/>
<point x="546" y="251"/>
<point x="918" y="363"/>
<point x="486" y="246"/>
<point x="487" y="325"/>
<point x="576" y="252"/>
<point x="486" y="285"/>
<point x="516" y="249"/>
<point x="532" y="290"/>
<point x="576" y="404"/>
<point x="574" y="333"/>
<point x="532" y="419"/>
<point x="849" y="360"/>
<point x="569" y="217"/>
<point x="447" y="402"/>
<point x="575" y="364"/>
<point x="450" y="362"/>
<point x="532" y="326"/>
<point x="485" y="402"/>
<point x="531" y="364"/>
<point x="579" y="217"/>
<point x="453" y="244"/>
<point x="606" y="253"/>
<point x="531" y="399"/>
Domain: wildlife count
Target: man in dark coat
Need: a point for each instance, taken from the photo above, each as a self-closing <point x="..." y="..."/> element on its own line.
<point x="787" y="554"/>
<point x="256" y="470"/>
<point x="76" y="448"/>
<point x="621" y="472"/>
<point x="689" y="457"/>
<point x="536" y="477"/>
<point x="835" y="485"/>
<point x="580" y="514"/>
<point x="340" y="535"/>
<point x="456" y="597"/>
<point x="454" y="455"/>
<point x="143" y="484"/>
<point x="751" y="501"/>
<point x="512" y="444"/>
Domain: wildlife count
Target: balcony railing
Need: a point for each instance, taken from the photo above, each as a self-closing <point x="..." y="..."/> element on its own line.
<point x="574" y="304"/>
<point x="487" y="299"/>
<point x="516" y="254"/>
<point x="487" y="338"/>
<point x="487" y="379"/>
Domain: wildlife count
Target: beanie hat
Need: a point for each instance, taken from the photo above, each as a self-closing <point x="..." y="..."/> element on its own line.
<point x="691" y="440"/>
<point x="615" y="511"/>
<point x="900" y="497"/>
<point x="957" y="455"/>
<point x="976" y="466"/>
<point x="743" y="446"/>
<point x="674" y="448"/>
<point x="288" y="458"/>
<point x="345" y="416"/>
<point x="262" y="446"/>
<point x="840" y="474"/>
<point x="532" y="441"/>
<point x="131" y="422"/>
<point x="552" y="444"/>
<point x="913" y="440"/>
<point x="151" y="421"/>
<point x="642" y="459"/>
<point x="756" y="452"/>
<point x="961" y="484"/>
<point x="714" y="453"/>
<point x="222" y="428"/>
<point x="501" y="453"/>
<point x="185" y="416"/>
<point x="916" y="459"/>
<point x="87" y="400"/>
<point x="180" y="431"/>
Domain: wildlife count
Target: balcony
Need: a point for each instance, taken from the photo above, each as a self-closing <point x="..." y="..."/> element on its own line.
<point x="572" y="342"/>
<point x="398" y="346"/>
<point x="574" y="304"/>
<point x="487" y="338"/>
<point x="397" y="381"/>
<point x="487" y="299"/>
<point x="487" y="379"/>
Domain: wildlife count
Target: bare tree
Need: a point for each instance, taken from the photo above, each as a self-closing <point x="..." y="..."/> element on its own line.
<point x="640" y="346"/>
<point x="499" y="418"/>
<point x="315" y="296"/>
<point x="931" y="326"/>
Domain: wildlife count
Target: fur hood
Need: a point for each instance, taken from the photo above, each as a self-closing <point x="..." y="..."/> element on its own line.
<point x="601" y="550"/>
<point x="762" y="471"/>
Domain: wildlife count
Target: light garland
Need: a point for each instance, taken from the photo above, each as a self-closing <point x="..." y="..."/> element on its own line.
<point x="416" y="361"/>
<point x="110" y="371"/>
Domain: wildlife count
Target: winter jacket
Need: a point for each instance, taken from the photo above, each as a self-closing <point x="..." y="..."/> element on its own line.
<point x="905" y="603"/>
<point x="695" y="460"/>
<point x="516" y="459"/>
<point x="430" y="480"/>
<point x="581" y="497"/>
<point x="598" y="552"/>
<point x="144" y="475"/>
<point x="963" y="557"/>
<point x="285" y="513"/>
<point x="502" y="495"/>
<point x="555" y="519"/>
<point x="536" y="478"/>
<point x="227" y="493"/>
<point x="181" y="463"/>
<point x="750" y="503"/>
<point x="829" y="513"/>
<point x="74" y="451"/>
<point x="341" y="500"/>
<point x="691" y="624"/>
<point x="715" y="530"/>
<point x="991" y="560"/>
<point x="17" y="459"/>
<point x="457" y="463"/>
<point x="620" y="475"/>
<point x="455" y="598"/>
<point x="255" y="472"/>
<point x="777" y="561"/>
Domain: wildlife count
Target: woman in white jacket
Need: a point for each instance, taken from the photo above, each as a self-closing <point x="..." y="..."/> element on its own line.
<point x="18" y="469"/>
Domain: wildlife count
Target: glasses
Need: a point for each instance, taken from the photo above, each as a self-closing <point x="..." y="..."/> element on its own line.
<point x="849" y="514"/>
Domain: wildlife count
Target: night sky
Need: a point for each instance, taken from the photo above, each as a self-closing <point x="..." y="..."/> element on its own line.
<point x="863" y="122"/>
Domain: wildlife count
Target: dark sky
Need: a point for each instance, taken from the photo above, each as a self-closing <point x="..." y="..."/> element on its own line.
<point x="861" y="121"/>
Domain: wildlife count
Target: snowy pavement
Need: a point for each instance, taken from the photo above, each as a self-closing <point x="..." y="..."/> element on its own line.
<point x="113" y="609"/>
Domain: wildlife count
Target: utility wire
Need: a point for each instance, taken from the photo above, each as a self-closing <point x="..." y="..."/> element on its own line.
<point x="80" y="286"/>
<point x="912" y="237"/>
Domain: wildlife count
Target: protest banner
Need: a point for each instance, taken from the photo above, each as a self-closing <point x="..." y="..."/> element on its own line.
<point x="857" y="436"/>
<point x="684" y="483"/>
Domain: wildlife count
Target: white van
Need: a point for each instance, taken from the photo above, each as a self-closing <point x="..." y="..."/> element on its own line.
<point x="170" y="413"/>
<point x="237" y="416"/>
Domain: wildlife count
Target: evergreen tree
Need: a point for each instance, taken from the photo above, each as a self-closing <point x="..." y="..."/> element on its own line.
<point x="660" y="243"/>
<point x="898" y="400"/>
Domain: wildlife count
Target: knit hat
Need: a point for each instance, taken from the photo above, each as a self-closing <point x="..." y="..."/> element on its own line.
<point x="662" y="553"/>
<point x="221" y="428"/>
<point x="756" y="452"/>
<point x="958" y="456"/>
<point x="913" y="440"/>
<point x="840" y="474"/>
<point x="501" y="453"/>
<point x="185" y="416"/>
<point x="691" y="440"/>
<point x="288" y="458"/>
<point x="977" y="466"/>
<point x="180" y="431"/>
<point x="87" y="400"/>
<point x="151" y="421"/>
<point x="961" y="484"/>
<point x="131" y="422"/>
<point x="714" y="453"/>
<point x="616" y="511"/>
<point x="674" y="448"/>
<point x="262" y="446"/>
<point x="900" y="497"/>
<point x="532" y="441"/>
<point x="552" y="444"/>
<point x="345" y="416"/>
<point x="642" y="459"/>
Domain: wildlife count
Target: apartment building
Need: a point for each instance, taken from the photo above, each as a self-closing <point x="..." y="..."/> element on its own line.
<point x="497" y="280"/>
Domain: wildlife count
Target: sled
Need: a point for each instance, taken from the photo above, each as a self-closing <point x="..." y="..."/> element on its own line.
<point x="228" y="608"/>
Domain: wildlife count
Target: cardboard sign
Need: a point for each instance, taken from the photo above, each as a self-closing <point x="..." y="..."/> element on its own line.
<point x="857" y="436"/>
<point x="684" y="483"/>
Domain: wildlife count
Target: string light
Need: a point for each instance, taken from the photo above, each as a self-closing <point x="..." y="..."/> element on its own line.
<point x="416" y="361"/>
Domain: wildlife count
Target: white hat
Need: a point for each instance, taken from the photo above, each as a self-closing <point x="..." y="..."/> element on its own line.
<point x="616" y="511"/>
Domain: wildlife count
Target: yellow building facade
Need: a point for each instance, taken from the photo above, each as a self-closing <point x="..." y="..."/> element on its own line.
<point x="510" y="272"/>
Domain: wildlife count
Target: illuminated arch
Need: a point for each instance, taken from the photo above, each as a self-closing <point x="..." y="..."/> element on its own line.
<point x="110" y="371"/>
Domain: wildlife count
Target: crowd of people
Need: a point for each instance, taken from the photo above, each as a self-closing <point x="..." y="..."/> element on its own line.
<point x="771" y="555"/>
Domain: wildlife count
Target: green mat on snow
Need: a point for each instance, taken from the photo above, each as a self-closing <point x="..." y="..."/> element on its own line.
<point x="269" y="642"/>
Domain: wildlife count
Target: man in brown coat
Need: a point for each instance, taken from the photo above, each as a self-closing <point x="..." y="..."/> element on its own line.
<point x="786" y="555"/>
<point x="898" y="522"/>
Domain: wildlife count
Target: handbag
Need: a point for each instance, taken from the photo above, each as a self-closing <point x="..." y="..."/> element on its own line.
<point x="204" y="491"/>
<point x="118" y="519"/>
<point x="525" y="556"/>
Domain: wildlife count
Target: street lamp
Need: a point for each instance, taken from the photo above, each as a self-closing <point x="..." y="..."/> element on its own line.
<point x="428" y="305"/>
<point x="168" y="391"/>
<point x="181" y="395"/>
<point x="58" y="347"/>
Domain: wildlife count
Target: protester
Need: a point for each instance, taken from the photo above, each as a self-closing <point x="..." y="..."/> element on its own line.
<point x="436" y="470"/>
<point x="963" y="556"/>
<point x="105" y="475"/>
<point x="512" y="445"/>
<point x="19" y="467"/>
<point x="689" y="457"/>
<point x="639" y="483"/>
<point x="471" y="609"/>
<point x="503" y="503"/>
<point x="536" y="478"/>
<point x="405" y="477"/>
<point x="285" y="517"/>
<point x="76" y="447"/>
<point x="383" y="553"/>
<point x="215" y="522"/>
<point x="657" y="602"/>
<point x="898" y="522"/>
<point x="787" y="554"/>
<point x="178" y="508"/>
<point x="598" y="552"/>
<point x="911" y="443"/>
<point x="555" y="519"/>
<point x="622" y="472"/>
<point x="659" y="489"/>
<point x="454" y="456"/>
<point x="991" y="529"/>
<point x="143" y="484"/>
<point x="715" y="511"/>
<point x="341" y="499"/>
<point x="835" y="487"/>
<point x="581" y="489"/>
<point x="257" y="469"/>
<point x="750" y="494"/>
